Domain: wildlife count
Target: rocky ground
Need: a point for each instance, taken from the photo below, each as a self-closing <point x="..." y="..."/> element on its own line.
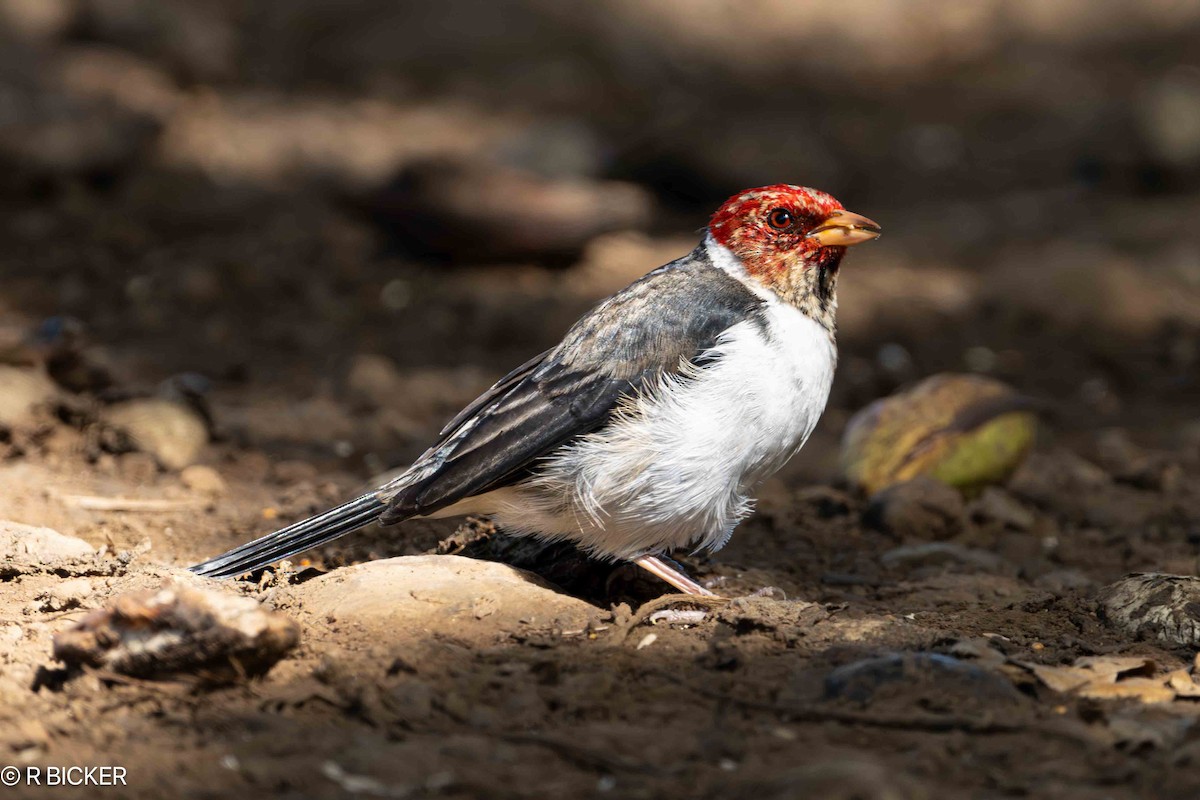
<point x="245" y="328"/>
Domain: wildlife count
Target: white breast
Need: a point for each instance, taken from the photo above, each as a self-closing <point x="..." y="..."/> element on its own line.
<point x="677" y="465"/>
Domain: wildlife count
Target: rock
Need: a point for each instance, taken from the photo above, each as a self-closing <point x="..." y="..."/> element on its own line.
<point x="416" y="596"/>
<point x="179" y="631"/>
<point x="1133" y="466"/>
<point x="1072" y="472"/>
<point x="998" y="507"/>
<point x="1155" y="474"/>
<point x="65" y="595"/>
<point x="468" y="210"/>
<point x="170" y="431"/>
<point x="918" y="509"/>
<point x="23" y="390"/>
<point x="966" y="431"/>
<point x="930" y="680"/>
<point x="1079" y="490"/>
<point x="25" y="549"/>
<point x="937" y="554"/>
<point x="202" y="479"/>
<point x="1153" y="605"/>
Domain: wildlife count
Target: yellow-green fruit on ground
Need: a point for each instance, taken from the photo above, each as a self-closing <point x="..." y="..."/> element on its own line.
<point x="964" y="430"/>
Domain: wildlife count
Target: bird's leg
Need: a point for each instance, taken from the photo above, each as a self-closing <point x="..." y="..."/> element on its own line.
<point x="660" y="569"/>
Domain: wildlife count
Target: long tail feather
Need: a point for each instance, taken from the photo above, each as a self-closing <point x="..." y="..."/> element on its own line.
<point x="293" y="539"/>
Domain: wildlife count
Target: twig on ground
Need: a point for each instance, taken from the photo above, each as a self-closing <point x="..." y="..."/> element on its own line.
<point x="95" y="503"/>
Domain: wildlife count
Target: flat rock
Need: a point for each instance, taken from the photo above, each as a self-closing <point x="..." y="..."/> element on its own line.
<point x="931" y="681"/>
<point x="26" y="548"/>
<point x="943" y="554"/>
<point x="417" y="596"/>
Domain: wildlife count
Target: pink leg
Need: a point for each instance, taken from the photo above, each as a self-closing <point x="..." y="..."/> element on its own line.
<point x="656" y="567"/>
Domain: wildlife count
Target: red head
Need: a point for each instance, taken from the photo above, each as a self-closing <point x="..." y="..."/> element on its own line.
<point x="781" y="232"/>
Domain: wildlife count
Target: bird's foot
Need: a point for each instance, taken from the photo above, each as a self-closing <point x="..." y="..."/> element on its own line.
<point x="666" y="571"/>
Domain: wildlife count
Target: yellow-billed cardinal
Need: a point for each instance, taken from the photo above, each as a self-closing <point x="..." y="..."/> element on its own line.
<point x="649" y="425"/>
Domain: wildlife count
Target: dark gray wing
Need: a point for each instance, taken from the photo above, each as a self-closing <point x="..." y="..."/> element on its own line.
<point x="499" y="389"/>
<point x="671" y="316"/>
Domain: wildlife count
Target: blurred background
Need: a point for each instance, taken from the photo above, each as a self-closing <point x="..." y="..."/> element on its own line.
<point x="349" y="217"/>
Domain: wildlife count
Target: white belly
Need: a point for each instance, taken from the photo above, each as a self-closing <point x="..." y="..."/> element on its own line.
<point x="677" y="465"/>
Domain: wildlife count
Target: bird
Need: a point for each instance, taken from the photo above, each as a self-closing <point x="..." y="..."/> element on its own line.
<point x="647" y="428"/>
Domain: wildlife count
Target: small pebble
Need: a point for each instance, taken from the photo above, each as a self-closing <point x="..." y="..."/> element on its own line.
<point x="647" y="640"/>
<point x="997" y="506"/>
<point x="170" y="431"/>
<point x="202" y="479"/>
<point x="922" y="508"/>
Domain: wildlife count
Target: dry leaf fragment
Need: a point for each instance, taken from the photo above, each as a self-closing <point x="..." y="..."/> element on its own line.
<point x="1112" y="678"/>
<point x="1183" y="684"/>
<point x="1111" y="667"/>
<point x="1095" y="670"/>
<point x="179" y="630"/>
<point x="1060" y="679"/>
<point x="1146" y="690"/>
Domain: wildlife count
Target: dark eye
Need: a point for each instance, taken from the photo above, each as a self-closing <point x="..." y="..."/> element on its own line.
<point x="780" y="219"/>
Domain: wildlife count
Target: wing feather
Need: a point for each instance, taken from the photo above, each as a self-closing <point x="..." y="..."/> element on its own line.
<point x="667" y="319"/>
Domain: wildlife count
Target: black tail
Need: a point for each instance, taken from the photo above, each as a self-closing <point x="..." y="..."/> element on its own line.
<point x="295" y="538"/>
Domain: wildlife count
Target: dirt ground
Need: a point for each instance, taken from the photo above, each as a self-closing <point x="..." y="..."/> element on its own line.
<point x="234" y="236"/>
